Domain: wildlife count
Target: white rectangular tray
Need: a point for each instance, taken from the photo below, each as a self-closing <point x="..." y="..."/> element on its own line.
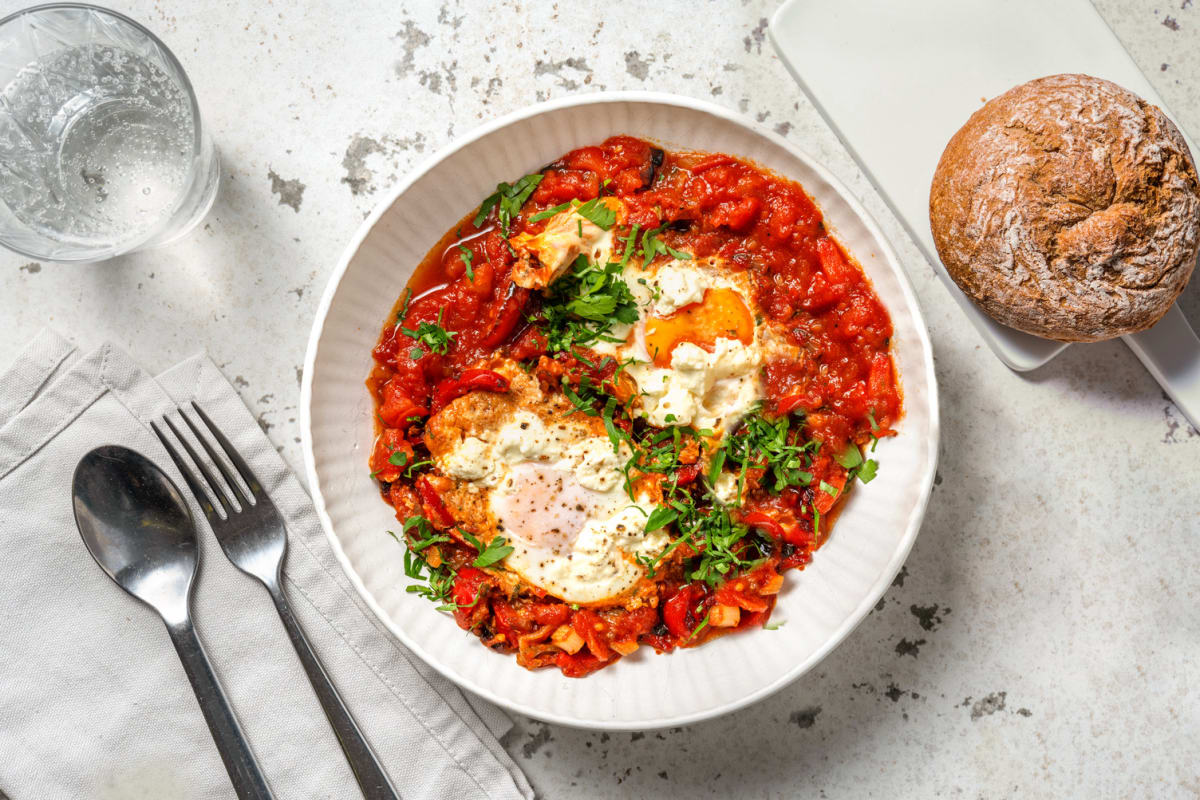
<point x="895" y="80"/>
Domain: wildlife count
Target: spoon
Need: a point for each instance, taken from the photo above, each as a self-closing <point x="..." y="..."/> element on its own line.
<point x="137" y="526"/>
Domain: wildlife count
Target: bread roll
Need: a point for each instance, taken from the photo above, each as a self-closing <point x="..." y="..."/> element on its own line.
<point x="1068" y="208"/>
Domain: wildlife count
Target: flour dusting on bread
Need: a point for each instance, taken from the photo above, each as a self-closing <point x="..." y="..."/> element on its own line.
<point x="1068" y="208"/>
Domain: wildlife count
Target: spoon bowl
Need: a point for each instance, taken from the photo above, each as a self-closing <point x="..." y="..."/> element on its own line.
<point x="137" y="526"/>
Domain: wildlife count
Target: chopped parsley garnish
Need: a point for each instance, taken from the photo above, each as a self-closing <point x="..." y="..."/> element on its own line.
<point x="433" y="583"/>
<point x="630" y="243"/>
<point x="550" y="212"/>
<point x="598" y="213"/>
<point x="507" y="199"/>
<point x="433" y="336"/>
<point x="762" y="443"/>
<point x="653" y="246"/>
<point x="399" y="458"/>
<point x="703" y="624"/>
<point x="495" y="550"/>
<point x="866" y="473"/>
<point x="408" y="293"/>
<point x="851" y="458"/>
<point x="585" y="303"/>
<point x="467" y="258"/>
<point x="660" y="516"/>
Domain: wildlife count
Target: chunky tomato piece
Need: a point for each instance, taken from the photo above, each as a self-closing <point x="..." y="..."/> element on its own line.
<point x="579" y="664"/>
<point x="389" y="443"/>
<point x="431" y="503"/>
<point x="397" y="407"/>
<point x="593" y="629"/>
<point x="467" y="594"/>
<point x="680" y="612"/>
<point x="472" y="380"/>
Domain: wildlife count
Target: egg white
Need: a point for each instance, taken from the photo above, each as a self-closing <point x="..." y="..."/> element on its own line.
<point x="712" y="390"/>
<point x="558" y="497"/>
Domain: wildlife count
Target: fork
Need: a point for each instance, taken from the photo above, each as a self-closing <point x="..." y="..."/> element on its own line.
<point x="253" y="536"/>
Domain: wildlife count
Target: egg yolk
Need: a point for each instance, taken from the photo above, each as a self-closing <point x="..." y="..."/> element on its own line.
<point x="720" y="314"/>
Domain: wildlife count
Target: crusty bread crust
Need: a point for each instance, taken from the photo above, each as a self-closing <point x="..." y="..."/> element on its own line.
<point x="1068" y="208"/>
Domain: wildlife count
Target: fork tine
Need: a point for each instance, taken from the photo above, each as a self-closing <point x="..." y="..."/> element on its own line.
<point x="235" y="458"/>
<point x="213" y="484"/>
<point x="212" y="453"/>
<point x="188" y="475"/>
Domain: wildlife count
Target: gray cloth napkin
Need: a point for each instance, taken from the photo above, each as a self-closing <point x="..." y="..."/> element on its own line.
<point x="93" y="701"/>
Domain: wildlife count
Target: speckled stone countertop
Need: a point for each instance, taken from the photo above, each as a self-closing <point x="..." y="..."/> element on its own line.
<point x="1044" y="637"/>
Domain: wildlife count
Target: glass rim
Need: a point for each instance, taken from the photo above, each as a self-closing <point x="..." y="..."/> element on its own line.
<point x="185" y="81"/>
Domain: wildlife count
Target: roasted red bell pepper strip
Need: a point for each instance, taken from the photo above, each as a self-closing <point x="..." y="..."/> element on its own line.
<point x="728" y="595"/>
<point x="676" y="610"/>
<point x="579" y="664"/>
<point x="590" y="626"/>
<point x="789" y="404"/>
<point x="508" y="315"/>
<point x="397" y="407"/>
<point x="431" y="502"/>
<point x="472" y="380"/>
<point x="687" y="474"/>
<point x="467" y="595"/>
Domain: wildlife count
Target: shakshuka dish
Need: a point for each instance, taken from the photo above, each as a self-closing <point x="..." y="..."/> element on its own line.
<point x="621" y="400"/>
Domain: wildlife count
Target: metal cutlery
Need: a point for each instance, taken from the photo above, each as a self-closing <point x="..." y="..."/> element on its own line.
<point x="137" y="526"/>
<point x="253" y="536"/>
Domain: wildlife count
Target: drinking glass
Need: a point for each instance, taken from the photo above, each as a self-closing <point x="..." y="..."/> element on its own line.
<point x="101" y="147"/>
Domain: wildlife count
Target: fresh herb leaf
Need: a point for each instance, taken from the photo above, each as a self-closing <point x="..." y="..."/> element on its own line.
<point x="433" y="583"/>
<point x="497" y="550"/>
<point x="584" y="304"/>
<point x="630" y="243"/>
<point x="467" y="258"/>
<point x="614" y="436"/>
<point x="413" y="467"/>
<point x="866" y="473"/>
<point x="771" y="445"/>
<point x="851" y="457"/>
<point x="653" y="246"/>
<point x="433" y="336"/>
<point x="550" y="212"/>
<point x="507" y="200"/>
<point x="714" y="468"/>
<point x="659" y="517"/>
<point x="408" y="293"/>
<point x="598" y="213"/>
<point x="703" y="624"/>
<point x="829" y="489"/>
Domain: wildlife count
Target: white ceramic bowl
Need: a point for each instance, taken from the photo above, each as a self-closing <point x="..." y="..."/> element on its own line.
<point x="822" y="604"/>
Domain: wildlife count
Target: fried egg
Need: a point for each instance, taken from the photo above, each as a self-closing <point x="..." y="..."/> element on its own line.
<point x="549" y="482"/>
<point x="698" y="345"/>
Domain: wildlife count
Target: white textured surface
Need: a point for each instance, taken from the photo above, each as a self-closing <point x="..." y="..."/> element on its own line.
<point x="822" y="604"/>
<point x="1060" y="545"/>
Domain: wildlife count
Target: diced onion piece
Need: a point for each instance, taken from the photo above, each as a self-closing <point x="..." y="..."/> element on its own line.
<point x="724" y="616"/>
<point x="567" y="639"/>
<point x="625" y="648"/>
<point x="772" y="586"/>
<point x="433" y="557"/>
